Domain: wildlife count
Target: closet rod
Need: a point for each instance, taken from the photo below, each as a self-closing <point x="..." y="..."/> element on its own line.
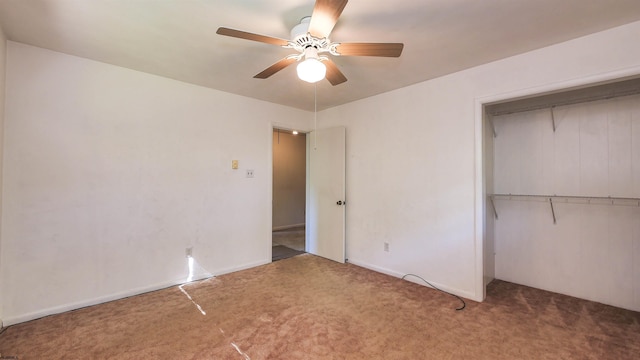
<point x="566" y="102"/>
<point x="601" y="200"/>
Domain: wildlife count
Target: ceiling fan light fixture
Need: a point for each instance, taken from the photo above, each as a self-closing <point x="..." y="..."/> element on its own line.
<point x="311" y="69"/>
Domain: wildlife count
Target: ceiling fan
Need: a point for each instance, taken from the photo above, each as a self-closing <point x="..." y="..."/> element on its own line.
<point x="310" y="38"/>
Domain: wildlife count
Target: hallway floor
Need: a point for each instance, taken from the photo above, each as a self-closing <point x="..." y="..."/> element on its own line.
<point x="293" y="238"/>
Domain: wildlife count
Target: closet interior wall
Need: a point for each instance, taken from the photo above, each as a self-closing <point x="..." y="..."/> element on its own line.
<point x="572" y="237"/>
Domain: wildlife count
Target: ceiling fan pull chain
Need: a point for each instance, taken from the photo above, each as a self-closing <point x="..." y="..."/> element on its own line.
<point x="315" y="115"/>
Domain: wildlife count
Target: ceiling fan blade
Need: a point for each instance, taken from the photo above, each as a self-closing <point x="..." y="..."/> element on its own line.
<point x="275" y="68"/>
<point x="324" y="17"/>
<point x="334" y="75"/>
<point x="370" y="49"/>
<point x="251" y="36"/>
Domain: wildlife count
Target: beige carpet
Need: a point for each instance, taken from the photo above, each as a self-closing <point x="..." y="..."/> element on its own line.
<point x="307" y="307"/>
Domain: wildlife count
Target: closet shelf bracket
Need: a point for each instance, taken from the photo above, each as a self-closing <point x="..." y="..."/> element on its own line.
<point x="493" y="127"/>
<point x="553" y="212"/>
<point x="493" y="206"/>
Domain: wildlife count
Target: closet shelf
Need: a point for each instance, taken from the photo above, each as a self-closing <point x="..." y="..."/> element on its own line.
<point x="566" y="199"/>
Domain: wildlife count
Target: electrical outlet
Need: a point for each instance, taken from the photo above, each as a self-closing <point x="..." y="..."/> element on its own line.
<point x="386" y="247"/>
<point x="249" y="173"/>
<point x="188" y="251"/>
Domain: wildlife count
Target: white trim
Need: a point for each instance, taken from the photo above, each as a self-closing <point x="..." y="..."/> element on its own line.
<point x="243" y="267"/>
<point x="268" y="244"/>
<point x="621" y="74"/>
<point x="95" y="301"/>
<point x="307" y="192"/>
<point x="480" y="289"/>
<point x="120" y="295"/>
<point x="461" y="293"/>
<point x="285" y="227"/>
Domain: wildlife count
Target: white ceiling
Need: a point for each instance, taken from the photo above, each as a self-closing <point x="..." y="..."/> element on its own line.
<point x="177" y="38"/>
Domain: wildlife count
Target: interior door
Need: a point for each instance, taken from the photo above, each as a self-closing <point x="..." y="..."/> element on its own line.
<point x="326" y="193"/>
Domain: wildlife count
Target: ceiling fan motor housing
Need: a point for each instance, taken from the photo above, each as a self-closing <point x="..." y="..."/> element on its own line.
<point x="301" y="39"/>
<point x="301" y="29"/>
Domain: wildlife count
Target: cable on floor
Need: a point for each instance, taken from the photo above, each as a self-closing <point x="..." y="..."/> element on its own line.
<point x="464" y="304"/>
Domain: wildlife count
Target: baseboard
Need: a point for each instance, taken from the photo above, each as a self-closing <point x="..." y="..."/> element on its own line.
<point x="286" y="227"/>
<point x="95" y="301"/>
<point x="242" y="267"/>
<point x="121" y="295"/>
<point x="465" y="294"/>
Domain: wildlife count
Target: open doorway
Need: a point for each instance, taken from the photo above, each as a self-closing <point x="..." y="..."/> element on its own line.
<point x="289" y="192"/>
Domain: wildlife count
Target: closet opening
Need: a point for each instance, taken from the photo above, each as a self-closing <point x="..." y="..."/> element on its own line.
<point x="562" y="192"/>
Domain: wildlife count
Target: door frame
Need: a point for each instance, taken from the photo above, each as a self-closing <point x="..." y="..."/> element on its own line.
<point x="479" y="131"/>
<point x="273" y="127"/>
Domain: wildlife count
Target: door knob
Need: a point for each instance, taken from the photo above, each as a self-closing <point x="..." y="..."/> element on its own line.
<point x="340" y="202"/>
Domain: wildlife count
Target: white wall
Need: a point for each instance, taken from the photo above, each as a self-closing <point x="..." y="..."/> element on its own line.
<point x="3" y="55"/>
<point x="593" y="252"/>
<point x="413" y="156"/>
<point x="110" y="174"/>
<point x="289" y="179"/>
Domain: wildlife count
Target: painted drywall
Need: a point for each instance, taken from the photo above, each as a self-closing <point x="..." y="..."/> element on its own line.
<point x="593" y="251"/>
<point x="289" y="179"/>
<point x="413" y="157"/>
<point x="3" y="56"/>
<point x="110" y="174"/>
